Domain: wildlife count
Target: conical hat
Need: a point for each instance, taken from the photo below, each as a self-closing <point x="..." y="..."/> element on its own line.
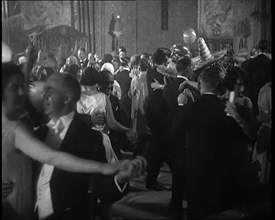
<point x="205" y="57"/>
<point x="203" y="49"/>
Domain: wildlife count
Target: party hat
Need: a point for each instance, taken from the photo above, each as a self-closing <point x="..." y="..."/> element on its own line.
<point x="205" y="57"/>
<point x="203" y="49"/>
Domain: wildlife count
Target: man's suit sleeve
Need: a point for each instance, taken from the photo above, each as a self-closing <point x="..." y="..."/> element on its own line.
<point x="103" y="186"/>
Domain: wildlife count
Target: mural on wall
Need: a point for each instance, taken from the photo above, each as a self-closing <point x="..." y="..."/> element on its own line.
<point x="46" y="13"/>
<point x="47" y="24"/>
<point x="216" y="19"/>
<point x="243" y="30"/>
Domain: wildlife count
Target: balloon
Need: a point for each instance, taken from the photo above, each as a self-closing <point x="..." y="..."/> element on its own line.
<point x="189" y="36"/>
<point x="36" y="91"/>
<point x="6" y="53"/>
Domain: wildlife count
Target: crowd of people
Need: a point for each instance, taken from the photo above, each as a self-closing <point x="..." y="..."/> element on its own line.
<point x="208" y="118"/>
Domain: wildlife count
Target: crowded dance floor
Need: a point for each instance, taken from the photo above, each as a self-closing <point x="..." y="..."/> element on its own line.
<point x="157" y="109"/>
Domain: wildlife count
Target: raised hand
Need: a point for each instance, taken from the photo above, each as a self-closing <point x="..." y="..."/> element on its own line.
<point x="156" y="85"/>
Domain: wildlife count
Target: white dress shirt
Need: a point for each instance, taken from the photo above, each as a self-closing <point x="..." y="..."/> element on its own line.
<point x="57" y="132"/>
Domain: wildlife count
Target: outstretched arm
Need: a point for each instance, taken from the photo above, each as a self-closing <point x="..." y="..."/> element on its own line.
<point x="37" y="150"/>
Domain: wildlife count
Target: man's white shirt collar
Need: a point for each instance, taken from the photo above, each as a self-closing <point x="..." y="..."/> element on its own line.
<point x="65" y="120"/>
<point x="209" y="93"/>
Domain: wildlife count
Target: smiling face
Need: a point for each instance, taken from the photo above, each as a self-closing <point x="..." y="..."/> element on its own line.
<point x="13" y="98"/>
<point x="54" y="96"/>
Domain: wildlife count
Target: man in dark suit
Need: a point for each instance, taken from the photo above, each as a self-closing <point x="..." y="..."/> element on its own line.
<point x="124" y="80"/>
<point x="83" y="60"/>
<point x="171" y="90"/>
<point x="210" y="164"/>
<point x="158" y="122"/>
<point x="62" y="194"/>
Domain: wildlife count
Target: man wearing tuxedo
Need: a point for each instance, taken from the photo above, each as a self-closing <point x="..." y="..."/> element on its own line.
<point x="83" y="60"/>
<point x="62" y="194"/>
<point x="215" y="167"/>
<point x="158" y="122"/>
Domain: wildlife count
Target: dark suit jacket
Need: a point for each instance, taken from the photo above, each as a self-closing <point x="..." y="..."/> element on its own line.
<point x="84" y="63"/>
<point x="171" y="93"/>
<point x="213" y="161"/>
<point x="69" y="190"/>
<point x="124" y="80"/>
<point x="157" y="111"/>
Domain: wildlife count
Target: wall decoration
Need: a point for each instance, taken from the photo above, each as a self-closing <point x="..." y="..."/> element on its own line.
<point x="46" y="12"/>
<point x="164" y="15"/>
<point x="215" y="19"/>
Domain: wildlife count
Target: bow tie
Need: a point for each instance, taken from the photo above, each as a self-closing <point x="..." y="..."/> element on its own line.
<point x="58" y="127"/>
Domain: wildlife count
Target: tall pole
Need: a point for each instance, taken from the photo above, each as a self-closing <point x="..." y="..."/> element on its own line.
<point x="89" y="24"/>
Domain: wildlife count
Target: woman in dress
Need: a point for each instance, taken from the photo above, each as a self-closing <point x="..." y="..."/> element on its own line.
<point x="95" y="102"/>
<point x="240" y="106"/>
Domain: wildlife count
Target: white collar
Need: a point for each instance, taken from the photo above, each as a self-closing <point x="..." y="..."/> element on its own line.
<point x="125" y="68"/>
<point x="65" y="119"/>
<point x="209" y="93"/>
<point x="182" y="77"/>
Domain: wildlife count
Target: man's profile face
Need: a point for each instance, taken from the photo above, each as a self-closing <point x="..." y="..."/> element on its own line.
<point x="54" y="96"/>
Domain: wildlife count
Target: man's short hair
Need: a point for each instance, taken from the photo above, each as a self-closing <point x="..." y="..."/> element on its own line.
<point x="144" y="64"/>
<point x="212" y="77"/>
<point x="159" y="57"/>
<point x="232" y="75"/>
<point x="73" y="69"/>
<point x="71" y="83"/>
<point x="183" y="63"/>
<point x="122" y="49"/>
<point x="89" y="77"/>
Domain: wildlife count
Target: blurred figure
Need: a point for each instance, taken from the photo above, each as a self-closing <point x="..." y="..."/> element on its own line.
<point x="74" y="70"/>
<point x="124" y="81"/>
<point x="116" y="87"/>
<point x="158" y="122"/>
<point x="83" y="61"/>
<point x="70" y="60"/>
<point x="139" y="96"/>
<point x="107" y="58"/>
<point x="122" y="52"/>
<point x="116" y="64"/>
<point x="262" y="149"/>
<point x="61" y="63"/>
